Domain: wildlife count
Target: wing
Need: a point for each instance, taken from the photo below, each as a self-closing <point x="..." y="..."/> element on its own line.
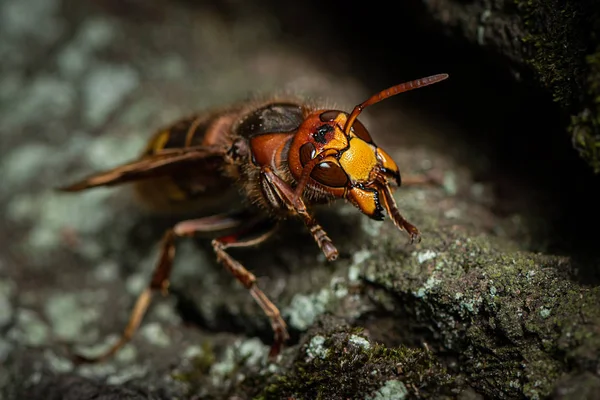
<point x="161" y="163"/>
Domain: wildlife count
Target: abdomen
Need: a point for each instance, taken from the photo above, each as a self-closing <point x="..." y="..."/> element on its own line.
<point x="202" y="187"/>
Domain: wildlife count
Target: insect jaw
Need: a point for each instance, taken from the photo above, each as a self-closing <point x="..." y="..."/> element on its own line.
<point x="366" y="198"/>
<point x="388" y="167"/>
<point x="376" y="197"/>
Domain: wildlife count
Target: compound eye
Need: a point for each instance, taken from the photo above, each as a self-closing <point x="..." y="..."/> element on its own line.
<point x="328" y="116"/>
<point x="361" y="131"/>
<point x="329" y="174"/>
<point x="307" y="153"/>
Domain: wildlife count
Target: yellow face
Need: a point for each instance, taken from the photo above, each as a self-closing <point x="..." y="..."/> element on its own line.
<point x="354" y="168"/>
<point x="358" y="160"/>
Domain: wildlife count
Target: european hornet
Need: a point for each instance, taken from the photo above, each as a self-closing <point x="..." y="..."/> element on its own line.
<point x="282" y="156"/>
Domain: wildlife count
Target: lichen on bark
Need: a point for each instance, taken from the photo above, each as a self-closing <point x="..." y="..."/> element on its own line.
<point x="564" y="43"/>
<point x="514" y="319"/>
<point x="337" y="361"/>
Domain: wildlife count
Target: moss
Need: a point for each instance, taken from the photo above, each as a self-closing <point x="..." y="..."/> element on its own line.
<point x="197" y="369"/>
<point x="564" y="50"/>
<point x="513" y="319"/>
<point x="585" y="126"/>
<point x="341" y="363"/>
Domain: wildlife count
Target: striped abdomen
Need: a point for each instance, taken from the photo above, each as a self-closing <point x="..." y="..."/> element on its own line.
<point x="201" y="186"/>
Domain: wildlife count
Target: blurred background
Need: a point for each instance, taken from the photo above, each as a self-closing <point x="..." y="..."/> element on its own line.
<point x="83" y="84"/>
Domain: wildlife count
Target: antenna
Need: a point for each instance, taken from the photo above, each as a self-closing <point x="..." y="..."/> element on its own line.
<point x="389" y="92"/>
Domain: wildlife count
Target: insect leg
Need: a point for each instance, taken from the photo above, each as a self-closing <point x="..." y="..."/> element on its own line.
<point x="248" y="279"/>
<point x="162" y="271"/>
<point x="390" y="205"/>
<point x="280" y="192"/>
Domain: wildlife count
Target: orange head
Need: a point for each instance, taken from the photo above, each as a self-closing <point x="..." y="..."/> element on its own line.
<point x="334" y="152"/>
